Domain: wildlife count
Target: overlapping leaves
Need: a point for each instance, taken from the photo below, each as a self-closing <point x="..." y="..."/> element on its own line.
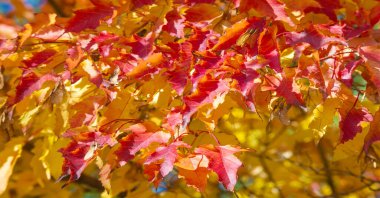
<point x="112" y="63"/>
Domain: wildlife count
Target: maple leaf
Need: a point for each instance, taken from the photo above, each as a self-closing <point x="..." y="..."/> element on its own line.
<point x="88" y="18"/>
<point x="92" y="71"/>
<point x="373" y="134"/>
<point x="149" y="65"/>
<point x="9" y="156"/>
<point x="86" y="112"/>
<point x="30" y="82"/>
<point x="279" y="11"/>
<point x="75" y="55"/>
<point x="350" y="121"/>
<point x="326" y="7"/>
<point x="309" y="67"/>
<point x="232" y="35"/>
<point x="81" y="151"/>
<point x="205" y="94"/>
<point x="194" y="170"/>
<point x="139" y="139"/>
<point x="267" y="46"/>
<point x="246" y="77"/>
<point x="173" y="120"/>
<point x="103" y="42"/>
<point x="140" y="3"/>
<point x="40" y="58"/>
<point x="154" y="75"/>
<point x="271" y="8"/>
<point x="175" y="25"/>
<point x="313" y="37"/>
<point x="284" y="87"/>
<point x="202" y="12"/>
<point x="168" y="154"/>
<point x="223" y="162"/>
<point x="372" y="56"/>
<point x="142" y="46"/>
<point x="346" y="73"/>
<point x="75" y="161"/>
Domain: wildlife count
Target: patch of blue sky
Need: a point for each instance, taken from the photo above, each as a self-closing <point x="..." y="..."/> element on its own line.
<point x="5" y="7"/>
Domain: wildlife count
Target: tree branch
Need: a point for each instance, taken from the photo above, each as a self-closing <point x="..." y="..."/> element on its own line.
<point x="329" y="178"/>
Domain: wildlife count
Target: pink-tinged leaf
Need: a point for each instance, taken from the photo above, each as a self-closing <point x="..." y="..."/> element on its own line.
<point x="40" y="58"/>
<point x="271" y="8"/>
<point x="104" y="42"/>
<point x="142" y="46"/>
<point x="312" y="37"/>
<point x="175" y="24"/>
<point x="205" y="94"/>
<point x="182" y="54"/>
<point x="267" y="46"/>
<point x="140" y="3"/>
<point x="279" y="12"/>
<point x="137" y="140"/>
<point x="350" y="120"/>
<point x="309" y="67"/>
<point x="86" y="111"/>
<point x="81" y="151"/>
<point x="284" y="87"/>
<point x="326" y="7"/>
<point x="30" y="83"/>
<point x="178" y="79"/>
<point x="246" y="76"/>
<point x="82" y="136"/>
<point x="372" y="57"/>
<point x="173" y="121"/>
<point x="223" y="162"/>
<point x="92" y="71"/>
<point x="51" y="33"/>
<point x="210" y="62"/>
<point x="74" y="160"/>
<point x="346" y="74"/>
<point x="74" y="56"/>
<point x="350" y="32"/>
<point x="199" y="1"/>
<point x="167" y="155"/>
<point x="88" y="18"/>
<point x="373" y="134"/>
<point x="199" y="37"/>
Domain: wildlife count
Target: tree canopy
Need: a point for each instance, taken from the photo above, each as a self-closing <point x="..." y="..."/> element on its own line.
<point x="189" y="98"/>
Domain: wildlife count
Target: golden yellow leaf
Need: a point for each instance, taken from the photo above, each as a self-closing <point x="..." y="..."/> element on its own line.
<point x="8" y="159"/>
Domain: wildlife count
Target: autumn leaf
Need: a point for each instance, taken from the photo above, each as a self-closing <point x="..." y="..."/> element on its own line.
<point x="373" y="133"/>
<point x="9" y="157"/>
<point x="371" y="54"/>
<point x="202" y="12"/>
<point x="168" y="155"/>
<point x="40" y="58"/>
<point x="231" y="36"/>
<point x="139" y="139"/>
<point x="351" y="118"/>
<point x="88" y="18"/>
<point x="313" y="37"/>
<point x="223" y="162"/>
<point x="148" y="98"/>
<point x="30" y="82"/>
<point x="194" y="170"/>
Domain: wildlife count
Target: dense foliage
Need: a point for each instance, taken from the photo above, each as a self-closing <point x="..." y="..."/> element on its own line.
<point x="190" y="98"/>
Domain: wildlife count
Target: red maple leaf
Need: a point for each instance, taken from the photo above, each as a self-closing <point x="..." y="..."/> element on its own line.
<point x="139" y="138"/>
<point x="168" y="155"/>
<point x="223" y="162"/>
